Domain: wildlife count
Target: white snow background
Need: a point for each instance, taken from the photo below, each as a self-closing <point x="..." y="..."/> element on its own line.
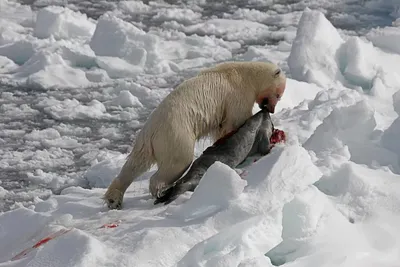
<point x="79" y="78"/>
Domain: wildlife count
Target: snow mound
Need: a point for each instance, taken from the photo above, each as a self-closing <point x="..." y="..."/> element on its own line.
<point x="238" y="245"/>
<point x="126" y="99"/>
<point x="78" y="247"/>
<point x="357" y="190"/>
<point x="181" y="15"/>
<point x="129" y="42"/>
<point x="385" y="38"/>
<point x="134" y="7"/>
<point x="19" y="52"/>
<point x="62" y="23"/>
<point x="349" y="132"/>
<point x="37" y="135"/>
<point x="320" y="55"/>
<point x="47" y="69"/>
<point x="102" y="174"/>
<point x="217" y="176"/>
<point x="360" y="69"/>
<point x="295" y="93"/>
<point x="27" y="228"/>
<point x="70" y="109"/>
<point x="391" y="134"/>
<point x="7" y="65"/>
<point x="313" y="56"/>
<point x="232" y="30"/>
<point x="281" y="169"/>
<point x="246" y="231"/>
<point x="310" y="226"/>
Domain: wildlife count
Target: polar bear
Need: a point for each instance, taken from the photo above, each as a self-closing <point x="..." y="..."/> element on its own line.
<point x="213" y="103"/>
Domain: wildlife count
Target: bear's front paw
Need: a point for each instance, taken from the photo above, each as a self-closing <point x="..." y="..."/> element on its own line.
<point x="112" y="204"/>
<point x="113" y="199"/>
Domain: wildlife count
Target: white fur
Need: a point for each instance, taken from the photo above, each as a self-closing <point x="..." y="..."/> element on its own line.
<point x="215" y="102"/>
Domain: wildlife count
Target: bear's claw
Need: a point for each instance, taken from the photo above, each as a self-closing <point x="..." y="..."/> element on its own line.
<point x="111" y="204"/>
<point x="113" y="199"/>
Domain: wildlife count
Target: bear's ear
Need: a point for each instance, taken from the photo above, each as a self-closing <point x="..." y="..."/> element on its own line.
<point x="277" y="73"/>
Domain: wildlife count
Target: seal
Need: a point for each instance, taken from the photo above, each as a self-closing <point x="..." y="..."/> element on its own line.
<point x="250" y="139"/>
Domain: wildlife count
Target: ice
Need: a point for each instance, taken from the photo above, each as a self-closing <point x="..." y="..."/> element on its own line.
<point x="134" y="6"/>
<point x="101" y="174"/>
<point x="313" y="57"/>
<point x="185" y="16"/>
<point x="67" y="49"/>
<point x="97" y="75"/>
<point x="46" y="69"/>
<point x="328" y="59"/>
<point x="385" y="38"/>
<point x="62" y="23"/>
<point x="78" y="80"/>
<point x="390" y="136"/>
<point x="19" y="52"/>
<point x="28" y="228"/>
<point x="351" y="127"/>
<point x="247" y="224"/>
<point x="7" y="65"/>
<point x="232" y="30"/>
<point x="129" y="42"/>
<point x="309" y="239"/>
<point x="69" y="109"/>
<point x="361" y="70"/>
<point x="37" y="135"/>
<point x="220" y="174"/>
<point x="77" y="255"/>
<point x="117" y="67"/>
<point x="126" y="99"/>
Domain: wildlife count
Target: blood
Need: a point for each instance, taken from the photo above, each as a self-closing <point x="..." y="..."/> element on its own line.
<point x="109" y="225"/>
<point x="278" y="136"/>
<point x="41" y="242"/>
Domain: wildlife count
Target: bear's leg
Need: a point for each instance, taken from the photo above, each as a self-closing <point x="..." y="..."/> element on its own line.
<point x="174" y="154"/>
<point x="138" y="161"/>
<point x="166" y="176"/>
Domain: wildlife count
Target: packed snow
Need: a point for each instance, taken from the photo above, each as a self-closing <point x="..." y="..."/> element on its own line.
<point x="78" y="79"/>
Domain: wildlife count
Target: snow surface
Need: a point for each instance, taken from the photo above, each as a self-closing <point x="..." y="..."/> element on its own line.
<point x="79" y="78"/>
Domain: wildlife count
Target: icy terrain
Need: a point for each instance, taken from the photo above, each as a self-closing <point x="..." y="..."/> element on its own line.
<point x="78" y="80"/>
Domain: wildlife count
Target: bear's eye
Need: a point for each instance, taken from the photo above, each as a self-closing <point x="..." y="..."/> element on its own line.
<point x="277" y="72"/>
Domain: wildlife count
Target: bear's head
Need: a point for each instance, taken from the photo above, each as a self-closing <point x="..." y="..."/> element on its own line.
<point x="271" y="86"/>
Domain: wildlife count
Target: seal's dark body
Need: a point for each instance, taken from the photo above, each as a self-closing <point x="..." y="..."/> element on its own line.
<point x="252" y="138"/>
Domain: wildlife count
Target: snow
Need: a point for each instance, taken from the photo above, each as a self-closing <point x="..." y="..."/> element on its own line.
<point x="62" y="23"/>
<point x="78" y="79"/>
<point x="61" y="109"/>
<point x="130" y="43"/>
<point x="313" y="56"/>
